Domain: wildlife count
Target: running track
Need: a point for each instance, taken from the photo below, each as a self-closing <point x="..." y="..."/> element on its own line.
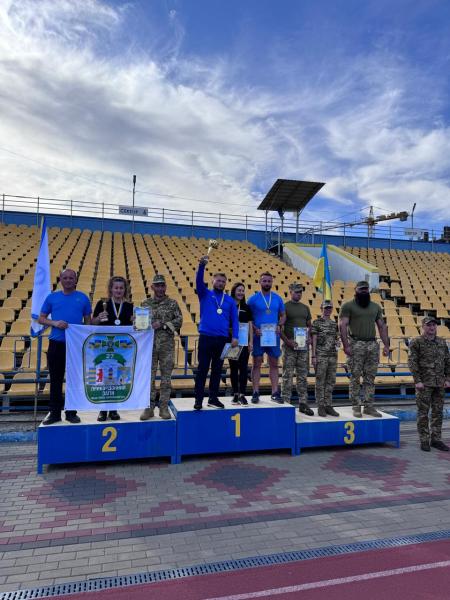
<point x="419" y="571"/>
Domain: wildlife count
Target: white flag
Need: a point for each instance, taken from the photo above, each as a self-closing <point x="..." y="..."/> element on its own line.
<point x="41" y="287"/>
<point x="107" y="367"/>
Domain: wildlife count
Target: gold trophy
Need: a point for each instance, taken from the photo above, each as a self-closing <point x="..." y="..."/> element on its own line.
<point x="213" y="244"/>
<point x="105" y="307"/>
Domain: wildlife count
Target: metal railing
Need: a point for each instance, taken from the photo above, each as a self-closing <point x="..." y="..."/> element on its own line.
<point x="308" y="231"/>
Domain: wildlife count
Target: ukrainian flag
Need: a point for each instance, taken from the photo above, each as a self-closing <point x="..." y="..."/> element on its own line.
<point x="322" y="279"/>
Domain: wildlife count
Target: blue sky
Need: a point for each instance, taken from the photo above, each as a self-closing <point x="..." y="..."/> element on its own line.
<point x="213" y="100"/>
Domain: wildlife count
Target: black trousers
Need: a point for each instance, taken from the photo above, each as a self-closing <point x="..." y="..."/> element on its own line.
<point x="56" y="360"/>
<point x="209" y="350"/>
<point x="239" y="372"/>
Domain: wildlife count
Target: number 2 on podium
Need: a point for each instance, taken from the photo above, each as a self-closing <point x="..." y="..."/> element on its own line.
<point x="112" y="433"/>
<point x="350" y="431"/>
<point x="237" y="424"/>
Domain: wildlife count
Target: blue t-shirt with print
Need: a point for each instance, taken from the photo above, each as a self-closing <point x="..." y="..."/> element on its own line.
<point x="259" y="305"/>
<point x="66" y="307"/>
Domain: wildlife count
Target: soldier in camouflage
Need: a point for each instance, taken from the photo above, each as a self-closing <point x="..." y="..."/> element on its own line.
<point x="357" y="320"/>
<point x="324" y="340"/>
<point x="429" y="362"/>
<point x="166" y="322"/>
<point x="295" y="358"/>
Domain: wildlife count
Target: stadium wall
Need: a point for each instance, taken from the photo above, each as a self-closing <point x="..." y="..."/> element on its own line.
<point x="257" y="237"/>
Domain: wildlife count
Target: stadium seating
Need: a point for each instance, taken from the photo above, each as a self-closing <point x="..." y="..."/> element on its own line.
<point x="412" y="284"/>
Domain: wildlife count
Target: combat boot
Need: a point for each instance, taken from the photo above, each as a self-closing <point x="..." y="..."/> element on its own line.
<point x="357" y="412"/>
<point x="164" y="412"/>
<point x="321" y="411"/>
<point x="330" y="411"/>
<point x="372" y="411"/>
<point x="148" y="413"/>
<point x="304" y="408"/>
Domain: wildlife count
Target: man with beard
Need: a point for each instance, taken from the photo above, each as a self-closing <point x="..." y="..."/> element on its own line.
<point x="429" y="362"/>
<point x="218" y="314"/>
<point x="357" y="321"/>
<point x="268" y="313"/>
<point x="166" y="321"/>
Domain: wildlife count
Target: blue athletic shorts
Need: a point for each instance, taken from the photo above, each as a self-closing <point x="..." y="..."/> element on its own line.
<point x="259" y="350"/>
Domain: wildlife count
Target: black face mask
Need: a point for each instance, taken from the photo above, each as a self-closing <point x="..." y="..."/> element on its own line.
<point x="362" y="299"/>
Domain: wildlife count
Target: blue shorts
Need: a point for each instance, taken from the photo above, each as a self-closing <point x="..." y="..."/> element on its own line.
<point x="259" y="350"/>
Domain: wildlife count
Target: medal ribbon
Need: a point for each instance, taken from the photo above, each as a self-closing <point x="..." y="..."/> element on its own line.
<point x="265" y="301"/>
<point x="117" y="312"/>
<point x="219" y="306"/>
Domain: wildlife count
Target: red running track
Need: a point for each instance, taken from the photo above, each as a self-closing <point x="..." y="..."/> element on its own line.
<point x="415" y="572"/>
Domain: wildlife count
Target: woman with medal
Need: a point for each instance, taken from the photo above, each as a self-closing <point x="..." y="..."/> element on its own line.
<point x="239" y="368"/>
<point x="114" y="310"/>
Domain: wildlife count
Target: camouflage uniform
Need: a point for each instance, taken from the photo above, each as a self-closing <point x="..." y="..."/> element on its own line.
<point x="326" y="331"/>
<point x="169" y="314"/>
<point x="295" y="362"/>
<point x="429" y="362"/>
<point x="363" y="363"/>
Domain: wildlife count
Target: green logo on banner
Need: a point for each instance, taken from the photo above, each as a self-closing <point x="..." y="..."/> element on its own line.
<point x="108" y="366"/>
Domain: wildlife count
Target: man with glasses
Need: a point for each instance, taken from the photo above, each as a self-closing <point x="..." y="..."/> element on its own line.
<point x="429" y="362"/>
<point x="324" y="340"/>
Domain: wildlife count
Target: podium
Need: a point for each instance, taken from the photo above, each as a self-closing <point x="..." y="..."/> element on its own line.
<point x="345" y="430"/>
<point x="91" y="441"/>
<point x="236" y="428"/>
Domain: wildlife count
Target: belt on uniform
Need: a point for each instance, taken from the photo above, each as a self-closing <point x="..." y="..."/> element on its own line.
<point x="361" y="340"/>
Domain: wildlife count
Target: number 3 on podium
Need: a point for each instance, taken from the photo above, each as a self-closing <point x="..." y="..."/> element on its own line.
<point x="350" y="430"/>
<point x="112" y="433"/>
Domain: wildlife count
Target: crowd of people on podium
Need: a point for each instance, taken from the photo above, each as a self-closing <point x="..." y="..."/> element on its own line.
<point x="234" y="327"/>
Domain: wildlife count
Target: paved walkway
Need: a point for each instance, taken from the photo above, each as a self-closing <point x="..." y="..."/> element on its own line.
<point x="90" y="521"/>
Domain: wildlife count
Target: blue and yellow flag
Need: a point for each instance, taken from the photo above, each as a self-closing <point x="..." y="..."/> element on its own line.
<point x="322" y="279"/>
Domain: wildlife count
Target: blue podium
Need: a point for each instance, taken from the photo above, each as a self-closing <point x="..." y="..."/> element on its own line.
<point x="264" y="426"/>
<point x="91" y="441"/>
<point x="345" y="430"/>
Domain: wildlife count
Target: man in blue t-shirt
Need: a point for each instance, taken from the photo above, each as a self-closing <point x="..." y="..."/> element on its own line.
<point x="268" y="317"/>
<point x="218" y="315"/>
<point x="66" y="306"/>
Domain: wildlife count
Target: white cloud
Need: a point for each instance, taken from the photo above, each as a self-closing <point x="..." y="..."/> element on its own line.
<point x="82" y="112"/>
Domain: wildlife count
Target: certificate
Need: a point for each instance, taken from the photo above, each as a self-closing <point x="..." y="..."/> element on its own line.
<point x="301" y="338"/>
<point x="230" y="352"/>
<point x="243" y="334"/>
<point x="142" y="318"/>
<point x="268" y="334"/>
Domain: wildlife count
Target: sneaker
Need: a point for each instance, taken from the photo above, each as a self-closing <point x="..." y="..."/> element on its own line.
<point x="276" y="397"/>
<point x="114" y="415"/>
<point x="215" y="403"/>
<point x="164" y="413"/>
<point x="330" y="411"/>
<point x="147" y="413"/>
<point x="357" y="412"/>
<point x="321" y="411"/>
<point x="304" y="408"/>
<point x="243" y="400"/>
<point x="198" y="405"/>
<point x="72" y="417"/>
<point x="439" y="445"/>
<point x="372" y="411"/>
<point x="52" y="417"/>
<point x="102" y="416"/>
<point x="255" y="398"/>
<point x="235" y="399"/>
<point x="425" y="446"/>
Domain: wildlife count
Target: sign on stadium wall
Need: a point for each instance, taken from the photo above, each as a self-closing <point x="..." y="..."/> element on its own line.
<point x="137" y="211"/>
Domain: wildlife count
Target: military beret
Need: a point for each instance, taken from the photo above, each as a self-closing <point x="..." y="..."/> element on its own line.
<point x="158" y="278"/>
<point x="296" y="287"/>
<point x="427" y="320"/>
<point x="362" y="284"/>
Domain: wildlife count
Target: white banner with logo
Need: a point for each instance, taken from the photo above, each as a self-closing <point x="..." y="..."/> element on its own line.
<point x="107" y="368"/>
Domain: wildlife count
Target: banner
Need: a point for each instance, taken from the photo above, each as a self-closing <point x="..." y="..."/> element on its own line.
<point x="107" y="367"/>
<point x="322" y="279"/>
<point x="41" y="285"/>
